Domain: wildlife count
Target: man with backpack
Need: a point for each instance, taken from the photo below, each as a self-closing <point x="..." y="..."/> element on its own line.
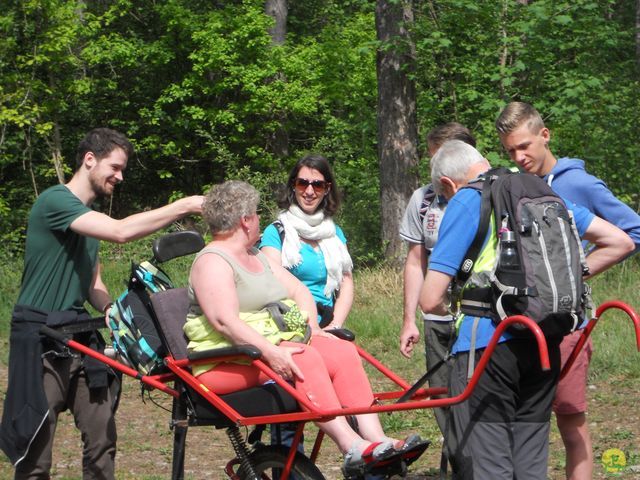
<point x="61" y="273"/>
<point x="501" y="431"/>
<point x="419" y="228"/>
<point x="526" y="138"/>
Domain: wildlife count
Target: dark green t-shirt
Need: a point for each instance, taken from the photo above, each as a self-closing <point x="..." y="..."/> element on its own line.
<point x="58" y="263"/>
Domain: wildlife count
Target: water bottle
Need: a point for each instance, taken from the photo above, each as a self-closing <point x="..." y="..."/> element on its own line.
<point x="508" y="250"/>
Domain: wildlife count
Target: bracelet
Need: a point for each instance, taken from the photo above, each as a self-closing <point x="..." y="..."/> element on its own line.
<point x="107" y="307"/>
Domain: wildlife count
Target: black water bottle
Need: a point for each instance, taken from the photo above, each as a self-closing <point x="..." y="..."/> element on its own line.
<point x="508" y="250"/>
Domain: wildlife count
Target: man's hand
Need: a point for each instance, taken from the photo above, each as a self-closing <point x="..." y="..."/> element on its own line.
<point x="107" y="311"/>
<point x="193" y="204"/>
<point x="409" y="336"/>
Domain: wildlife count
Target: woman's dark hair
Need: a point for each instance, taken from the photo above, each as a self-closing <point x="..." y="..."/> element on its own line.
<point x="102" y="141"/>
<point x="331" y="200"/>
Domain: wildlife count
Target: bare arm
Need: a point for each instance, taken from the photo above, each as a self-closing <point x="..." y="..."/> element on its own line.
<point x="415" y="267"/>
<point x="273" y="254"/>
<point x="214" y="286"/>
<point x="344" y="301"/>
<point x="99" y="296"/>
<point x="612" y="245"/>
<point x="103" y="227"/>
<point x="433" y="297"/>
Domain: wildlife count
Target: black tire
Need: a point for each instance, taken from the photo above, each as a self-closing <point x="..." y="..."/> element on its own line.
<point x="268" y="457"/>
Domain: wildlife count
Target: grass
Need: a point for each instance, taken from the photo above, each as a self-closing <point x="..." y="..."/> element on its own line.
<point x="614" y="336"/>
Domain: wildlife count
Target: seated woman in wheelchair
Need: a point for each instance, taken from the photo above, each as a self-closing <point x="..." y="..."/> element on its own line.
<point x="230" y="281"/>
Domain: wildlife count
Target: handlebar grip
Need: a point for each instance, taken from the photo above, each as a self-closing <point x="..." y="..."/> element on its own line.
<point x="50" y="332"/>
<point x="343" y="334"/>
<point x="250" y="351"/>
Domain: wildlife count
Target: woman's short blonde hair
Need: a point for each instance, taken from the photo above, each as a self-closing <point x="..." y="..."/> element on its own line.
<point x="226" y="203"/>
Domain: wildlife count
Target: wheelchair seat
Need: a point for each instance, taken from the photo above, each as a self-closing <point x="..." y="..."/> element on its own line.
<point x="170" y="308"/>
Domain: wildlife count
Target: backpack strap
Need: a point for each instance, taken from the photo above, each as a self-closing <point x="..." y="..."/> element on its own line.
<point x="151" y="276"/>
<point x="277" y="311"/>
<point x="471" y="364"/>
<point x="427" y="200"/>
<point x="483" y="225"/>
<point x="280" y="228"/>
<point x="471" y="256"/>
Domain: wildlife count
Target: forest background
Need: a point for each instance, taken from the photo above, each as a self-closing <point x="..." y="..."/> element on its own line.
<point x="212" y="90"/>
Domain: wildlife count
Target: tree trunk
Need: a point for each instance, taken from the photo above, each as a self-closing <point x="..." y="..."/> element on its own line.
<point x="56" y="145"/>
<point x="638" y="34"/>
<point x="397" y="120"/>
<point x="277" y="9"/>
<point x="505" y="50"/>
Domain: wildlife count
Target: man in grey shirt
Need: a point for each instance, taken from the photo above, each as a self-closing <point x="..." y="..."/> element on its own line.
<point x="419" y="228"/>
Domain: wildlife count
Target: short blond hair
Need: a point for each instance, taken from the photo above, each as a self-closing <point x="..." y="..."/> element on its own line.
<point x="516" y="114"/>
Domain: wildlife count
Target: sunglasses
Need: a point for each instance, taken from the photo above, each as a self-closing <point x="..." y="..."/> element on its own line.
<point x="319" y="186"/>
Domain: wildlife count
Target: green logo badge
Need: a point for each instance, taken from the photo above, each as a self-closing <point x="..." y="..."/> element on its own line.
<point x="613" y="460"/>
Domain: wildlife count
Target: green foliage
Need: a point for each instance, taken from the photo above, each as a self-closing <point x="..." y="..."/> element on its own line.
<point x="205" y="96"/>
<point x="10" y="273"/>
<point x="575" y="61"/>
<point x="197" y="86"/>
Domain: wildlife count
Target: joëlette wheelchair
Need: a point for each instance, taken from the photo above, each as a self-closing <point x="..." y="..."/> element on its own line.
<point x="276" y="402"/>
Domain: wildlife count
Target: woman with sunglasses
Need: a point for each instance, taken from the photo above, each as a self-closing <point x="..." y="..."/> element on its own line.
<point x="305" y="240"/>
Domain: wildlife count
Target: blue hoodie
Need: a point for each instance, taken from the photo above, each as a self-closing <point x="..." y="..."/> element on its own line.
<point x="569" y="179"/>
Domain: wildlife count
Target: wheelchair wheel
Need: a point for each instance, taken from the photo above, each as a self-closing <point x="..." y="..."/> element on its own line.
<point x="267" y="459"/>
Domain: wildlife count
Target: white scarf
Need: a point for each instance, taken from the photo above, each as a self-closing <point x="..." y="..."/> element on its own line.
<point x="298" y="224"/>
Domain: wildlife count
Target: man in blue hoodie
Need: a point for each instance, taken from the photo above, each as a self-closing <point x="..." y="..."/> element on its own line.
<point x="526" y="139"/>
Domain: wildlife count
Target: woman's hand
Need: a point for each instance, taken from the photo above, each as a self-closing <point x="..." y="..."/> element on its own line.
<point x="280" y="359"/>
<point x="331" y="326"/>
<point x="323" y="332"/>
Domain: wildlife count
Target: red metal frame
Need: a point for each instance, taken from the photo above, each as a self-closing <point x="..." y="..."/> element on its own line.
<point x="179" y="369"/>
<point x="613" y="304"/>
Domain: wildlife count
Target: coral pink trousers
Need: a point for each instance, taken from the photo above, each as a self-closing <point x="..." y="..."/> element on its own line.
<point x="334" y="376"/>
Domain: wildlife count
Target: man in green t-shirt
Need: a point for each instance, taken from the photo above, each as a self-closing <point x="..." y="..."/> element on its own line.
<point x="62" y="273"/>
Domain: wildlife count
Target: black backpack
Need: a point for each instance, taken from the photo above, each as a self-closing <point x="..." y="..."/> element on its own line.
<point x="539" y="264"/>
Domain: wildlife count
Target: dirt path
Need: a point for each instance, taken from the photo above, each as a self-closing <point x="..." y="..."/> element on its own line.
<point x="145" y="441"/>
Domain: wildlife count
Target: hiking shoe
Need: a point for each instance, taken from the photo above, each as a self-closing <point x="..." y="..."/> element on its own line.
<point x="357" y="462"/>
<point x="412" y="448"/>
